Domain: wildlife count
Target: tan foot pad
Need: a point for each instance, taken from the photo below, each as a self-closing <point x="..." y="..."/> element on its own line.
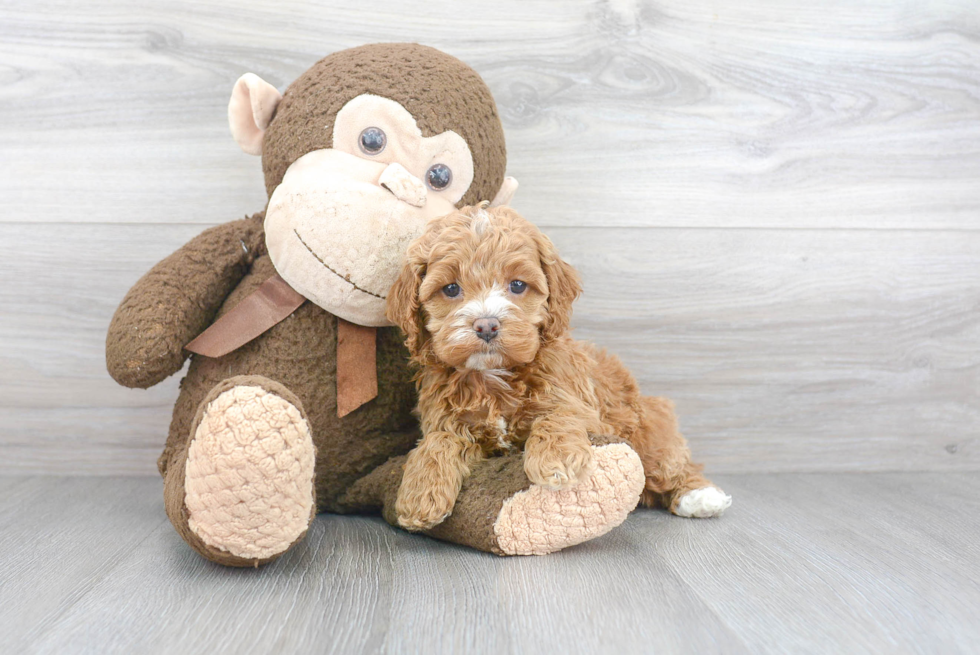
<point x="249" y="478"/>
<point x="539" y="521"/>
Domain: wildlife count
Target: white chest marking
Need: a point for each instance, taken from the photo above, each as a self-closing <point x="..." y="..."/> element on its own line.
<point x="502" y="440"/>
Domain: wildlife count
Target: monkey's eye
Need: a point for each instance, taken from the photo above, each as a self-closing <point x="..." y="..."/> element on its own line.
<point x="372" y="141"/>
<point x="451" y="290"/>
<point x="518" y="287"/>
<point x="438" y="177"/>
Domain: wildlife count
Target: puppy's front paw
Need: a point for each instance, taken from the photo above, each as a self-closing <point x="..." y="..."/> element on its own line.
<point x="557" y="464"/>
<point x="421" y="509"/>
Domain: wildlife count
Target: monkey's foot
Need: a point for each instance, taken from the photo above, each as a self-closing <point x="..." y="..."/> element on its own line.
<point x="248" y="483"/>
<point x="539" y="520"/>
<point x="500" y="511"/>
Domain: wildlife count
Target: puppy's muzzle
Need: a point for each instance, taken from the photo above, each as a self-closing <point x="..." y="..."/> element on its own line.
<point x="486" y="328"/>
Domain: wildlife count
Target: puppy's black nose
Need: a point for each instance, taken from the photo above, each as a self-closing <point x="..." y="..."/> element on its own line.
<point x="486" y="328"/>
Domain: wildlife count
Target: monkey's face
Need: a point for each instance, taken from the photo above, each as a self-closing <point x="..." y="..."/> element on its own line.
<point x="338" y="224"/>
<point x="359" y="154"/>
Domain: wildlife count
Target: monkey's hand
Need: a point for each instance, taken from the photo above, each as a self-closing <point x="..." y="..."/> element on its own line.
<point x="176" y="300"/>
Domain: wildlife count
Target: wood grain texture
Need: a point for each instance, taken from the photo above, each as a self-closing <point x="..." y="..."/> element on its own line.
<point x="784" y="350"/>
<point x="862" y="563"/>
<point x="865" y="573"/>
<point x="796" y="350"/>
<point x="59" y="537"/>
<point x="617" y="113"/>
<point x="774" y="208"/>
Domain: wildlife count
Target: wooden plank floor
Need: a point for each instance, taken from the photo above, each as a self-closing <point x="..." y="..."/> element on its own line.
<point x="881" y="562"/>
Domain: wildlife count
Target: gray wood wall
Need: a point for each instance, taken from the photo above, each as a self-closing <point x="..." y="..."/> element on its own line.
<point x="775" y="206"/>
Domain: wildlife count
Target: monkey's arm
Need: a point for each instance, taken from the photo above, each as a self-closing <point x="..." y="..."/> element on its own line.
<point x="176" y="300"/>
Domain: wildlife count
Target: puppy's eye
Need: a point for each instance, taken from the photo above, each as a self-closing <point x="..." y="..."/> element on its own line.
<point x="372" y="141"/>
<point x="451" y="290"/>
<point x="518" y="287"/>
<point x="438" y="177"/>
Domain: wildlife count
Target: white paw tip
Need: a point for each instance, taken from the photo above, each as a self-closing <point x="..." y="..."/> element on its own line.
<point x="703" y="503"/>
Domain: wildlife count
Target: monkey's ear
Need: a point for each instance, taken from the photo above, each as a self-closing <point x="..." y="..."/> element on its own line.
<point x="403" y="306"/>
<point x="251" y="108"/>
<point x="506" y="192"/>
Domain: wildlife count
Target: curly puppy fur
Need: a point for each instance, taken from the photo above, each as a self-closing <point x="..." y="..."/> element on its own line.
<point x="485" y="302"/>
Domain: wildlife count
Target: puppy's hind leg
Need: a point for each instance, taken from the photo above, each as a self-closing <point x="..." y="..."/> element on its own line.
<point x="672" y="479"/>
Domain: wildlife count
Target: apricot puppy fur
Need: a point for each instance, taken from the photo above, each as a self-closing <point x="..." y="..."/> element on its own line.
<point x="485" y="302"/>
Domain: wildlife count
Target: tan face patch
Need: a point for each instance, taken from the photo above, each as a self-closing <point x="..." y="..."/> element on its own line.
<point x="339" y="223"/>
<point x="403" y="143"/>
<point x="338" y="237"/>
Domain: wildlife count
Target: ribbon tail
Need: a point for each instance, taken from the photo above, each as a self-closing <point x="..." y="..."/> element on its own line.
<point x="357" y="366"/>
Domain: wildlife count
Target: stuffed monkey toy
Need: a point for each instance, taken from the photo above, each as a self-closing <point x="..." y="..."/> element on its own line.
<point x="299" y="397"/>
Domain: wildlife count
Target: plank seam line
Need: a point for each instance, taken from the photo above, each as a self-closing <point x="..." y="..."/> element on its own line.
<point x="52" y="621"/>
<point x="551" y="226"/>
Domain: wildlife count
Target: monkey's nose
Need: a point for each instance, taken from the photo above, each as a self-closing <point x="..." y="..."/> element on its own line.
<point x="403" y="184"/>
<point x="486" y="328"/>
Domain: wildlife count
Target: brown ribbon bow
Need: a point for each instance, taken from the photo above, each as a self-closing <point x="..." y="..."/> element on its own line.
<point x="271" y="303"/>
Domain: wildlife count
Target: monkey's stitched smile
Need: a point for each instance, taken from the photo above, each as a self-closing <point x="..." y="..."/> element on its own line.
<point x="345" y="278"/>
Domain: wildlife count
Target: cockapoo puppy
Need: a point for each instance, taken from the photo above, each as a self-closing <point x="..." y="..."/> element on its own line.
<point x="485" y="302"/>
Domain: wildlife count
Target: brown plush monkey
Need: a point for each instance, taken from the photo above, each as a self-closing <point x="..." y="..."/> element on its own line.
<point x="359" y="153"/>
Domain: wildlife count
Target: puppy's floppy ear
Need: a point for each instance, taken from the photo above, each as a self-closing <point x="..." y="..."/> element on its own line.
<point x="403" y="307"/>
<point x="564" y="287"/>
